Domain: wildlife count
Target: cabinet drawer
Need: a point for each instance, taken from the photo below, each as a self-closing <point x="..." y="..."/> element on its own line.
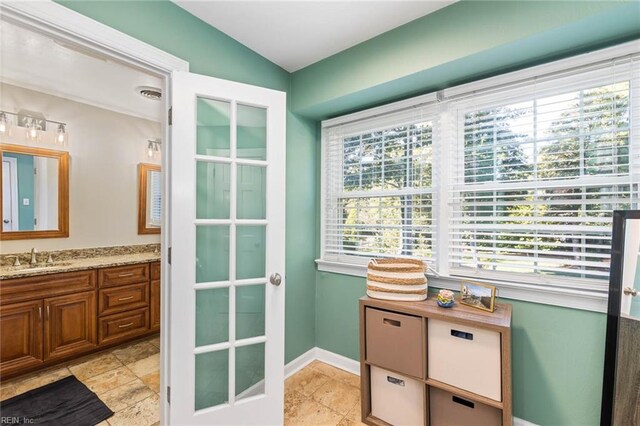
<point x="155" y="271"/>
<point x="465" y="357"/>
<point x="123" y="275"/>
<point x="396" y="399"/>
<point x="124" y="298"/>
<point x="121" y="326"/>
<point x="395" y="341"/>
<point x="447" y="409"/>
<point x="41" y="286"/>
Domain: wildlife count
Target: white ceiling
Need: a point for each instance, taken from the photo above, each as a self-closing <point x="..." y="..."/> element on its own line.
<point x="34" y="61"/>
<point x="294" y="34"/>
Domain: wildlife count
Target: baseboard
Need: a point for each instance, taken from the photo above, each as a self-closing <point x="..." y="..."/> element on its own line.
<point x="521" y="422"/>
<point x="339" y="361"/>
<point x="299" y="363"/>
<point x="347" y="364"/>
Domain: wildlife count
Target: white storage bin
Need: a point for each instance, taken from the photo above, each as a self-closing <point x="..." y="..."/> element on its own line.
<point x="396" y="399"/>
<point x="465" y="357"/>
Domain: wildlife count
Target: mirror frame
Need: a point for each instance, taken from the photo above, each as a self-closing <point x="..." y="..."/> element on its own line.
<point x="614" y="305"/>
<point x="63" y="194"/>
<point x="143" y="168"/>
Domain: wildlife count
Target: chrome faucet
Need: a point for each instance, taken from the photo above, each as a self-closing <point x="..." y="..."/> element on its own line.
<point x="33" y="260"/>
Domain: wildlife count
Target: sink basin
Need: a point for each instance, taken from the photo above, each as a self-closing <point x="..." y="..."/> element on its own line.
<point x="38" y="267"/>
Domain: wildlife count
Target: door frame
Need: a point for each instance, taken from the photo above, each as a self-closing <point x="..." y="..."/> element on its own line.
<point x="15" y="215"/>
<point x="61" y="23"/>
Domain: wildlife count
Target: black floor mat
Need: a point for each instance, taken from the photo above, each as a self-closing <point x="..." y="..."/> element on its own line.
<point x="65" y="402"/>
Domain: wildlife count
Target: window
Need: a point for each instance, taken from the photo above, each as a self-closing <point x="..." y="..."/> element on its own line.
<point x="380" y="189"/>
<point x="513" y="179"/>
<point x="155" y="198"/>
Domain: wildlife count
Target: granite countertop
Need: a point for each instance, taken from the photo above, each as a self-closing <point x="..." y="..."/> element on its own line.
<point x="77" y="264"/>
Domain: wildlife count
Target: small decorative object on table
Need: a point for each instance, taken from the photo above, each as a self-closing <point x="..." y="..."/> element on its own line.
<point x="397" y="279"/>
<point x="445" y="298"/>
<point x="481" y="296"/>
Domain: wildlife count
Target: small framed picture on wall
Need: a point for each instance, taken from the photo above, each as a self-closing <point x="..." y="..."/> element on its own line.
<point x="481" y="296"/>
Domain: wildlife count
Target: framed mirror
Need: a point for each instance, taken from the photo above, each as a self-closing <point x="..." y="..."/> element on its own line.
<point x="149" y="198"/>
<point x="35" y="193"/>
<point x="621" y="384"/>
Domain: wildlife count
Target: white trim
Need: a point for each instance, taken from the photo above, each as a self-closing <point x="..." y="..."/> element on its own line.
<point x="15" y="215"/>
<point x="57" y="21"/>
<point x="346" y="364"/>
<point x="299" y="363"/>
<point x="337" y="360"/>
<point x="595" y="301"/>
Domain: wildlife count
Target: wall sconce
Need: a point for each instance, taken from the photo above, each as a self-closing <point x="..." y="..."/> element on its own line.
<point x="153" y="149"/>
<point x="36" y="127"/>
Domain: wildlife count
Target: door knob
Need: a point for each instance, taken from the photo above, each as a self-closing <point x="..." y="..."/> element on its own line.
<point x="275" y="279"/>
<point x="630" y="291"/>
<point x="5" y="221"/>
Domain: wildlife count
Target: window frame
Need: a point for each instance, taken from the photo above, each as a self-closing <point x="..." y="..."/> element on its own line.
<point x="449" y="102"/>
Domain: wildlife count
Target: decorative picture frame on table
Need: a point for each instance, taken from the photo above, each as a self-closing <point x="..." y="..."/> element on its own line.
<point x="478" y="295"/>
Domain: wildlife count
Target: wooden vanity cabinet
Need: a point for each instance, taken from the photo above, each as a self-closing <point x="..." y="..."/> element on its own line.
<point x="154" y="308"/>
<point x="69" y="325"/>
<point x="21" y="331"/>
<point x="46" y="319"/>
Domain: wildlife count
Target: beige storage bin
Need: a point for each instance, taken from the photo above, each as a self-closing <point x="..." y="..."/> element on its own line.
<point x="465" y="357"/>
<point x="397" y="399"/>
<point x="395" y="341"/>
<point x="447" y="409"/>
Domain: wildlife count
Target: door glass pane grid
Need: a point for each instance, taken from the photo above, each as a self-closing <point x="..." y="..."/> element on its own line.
<point x="246" y="379"/>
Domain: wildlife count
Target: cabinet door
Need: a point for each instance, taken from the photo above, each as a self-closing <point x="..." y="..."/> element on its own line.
<point x="155" y="305"/>
<point x="21" y="336"/>
<point x="70" y="324"/>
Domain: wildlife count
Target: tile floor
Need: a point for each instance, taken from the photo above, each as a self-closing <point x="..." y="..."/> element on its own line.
<point x="127" y="379"/>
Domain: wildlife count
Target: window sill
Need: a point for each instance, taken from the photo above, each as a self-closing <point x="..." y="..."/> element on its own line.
<point x="587" y="300"/>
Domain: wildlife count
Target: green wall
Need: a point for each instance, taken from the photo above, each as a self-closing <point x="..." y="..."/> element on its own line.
<point x="558" y="353"/>
<point x="211" y="52"/>
<point x="26" y="189"/>
<point x="462" y="42"/>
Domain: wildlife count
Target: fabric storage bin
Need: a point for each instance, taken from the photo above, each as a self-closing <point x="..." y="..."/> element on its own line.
<point x="447" y="409"/>
<point x="395" y="341"/>
<point x="397" y="399"/>
<point x="466" y="357"/>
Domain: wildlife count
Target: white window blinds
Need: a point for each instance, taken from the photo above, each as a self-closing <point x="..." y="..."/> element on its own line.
<point x="537" y="173"/>
<point x="379" y="187"/>
<point x="155" y="206"/>
<point x="510" y="179"/>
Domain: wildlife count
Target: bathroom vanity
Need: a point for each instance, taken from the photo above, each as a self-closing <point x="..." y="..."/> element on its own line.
<point x="56" y="313"/>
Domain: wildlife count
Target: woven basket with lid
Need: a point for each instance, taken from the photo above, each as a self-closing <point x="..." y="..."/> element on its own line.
<point x="396" y="279"/>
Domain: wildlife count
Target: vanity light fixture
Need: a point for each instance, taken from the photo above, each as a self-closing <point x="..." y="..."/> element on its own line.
<point x="153" y="148"/>
<point x="36" y="127"/>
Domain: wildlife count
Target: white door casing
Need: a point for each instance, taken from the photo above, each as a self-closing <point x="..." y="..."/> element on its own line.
<point x="10" y="217"/>
<point x="262" y="402"/>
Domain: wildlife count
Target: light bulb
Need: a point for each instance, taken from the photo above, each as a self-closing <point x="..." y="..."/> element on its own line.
<point x="4" y="125"/>
<point x="32" y="131"/>
<point x="61" y="135"/>
<point x="150" y="150"/>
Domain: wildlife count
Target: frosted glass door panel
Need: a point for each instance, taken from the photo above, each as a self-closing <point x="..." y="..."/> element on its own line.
<point x="252" y="192"/>
<point x="250" y="311"/>
<point x="212" y="316"/>
<point x="212" y="253"/>
<point x="212" y="190"/>
<point x="250" y="252"/>
<point x="249" y="371"/>
<point x="252" y="132"/>
<point x="212" y="377"/>
<point x="213" y="134"/>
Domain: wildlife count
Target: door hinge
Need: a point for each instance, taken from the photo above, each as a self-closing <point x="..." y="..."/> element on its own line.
<point x="169" y="394"/>
<point x="169" y="255"/>
<point x="170" y="116"/>
<point x="35" y="221"/>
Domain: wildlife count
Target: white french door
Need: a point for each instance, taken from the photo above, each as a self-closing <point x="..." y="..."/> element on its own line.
<point x="227" y="253"/>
